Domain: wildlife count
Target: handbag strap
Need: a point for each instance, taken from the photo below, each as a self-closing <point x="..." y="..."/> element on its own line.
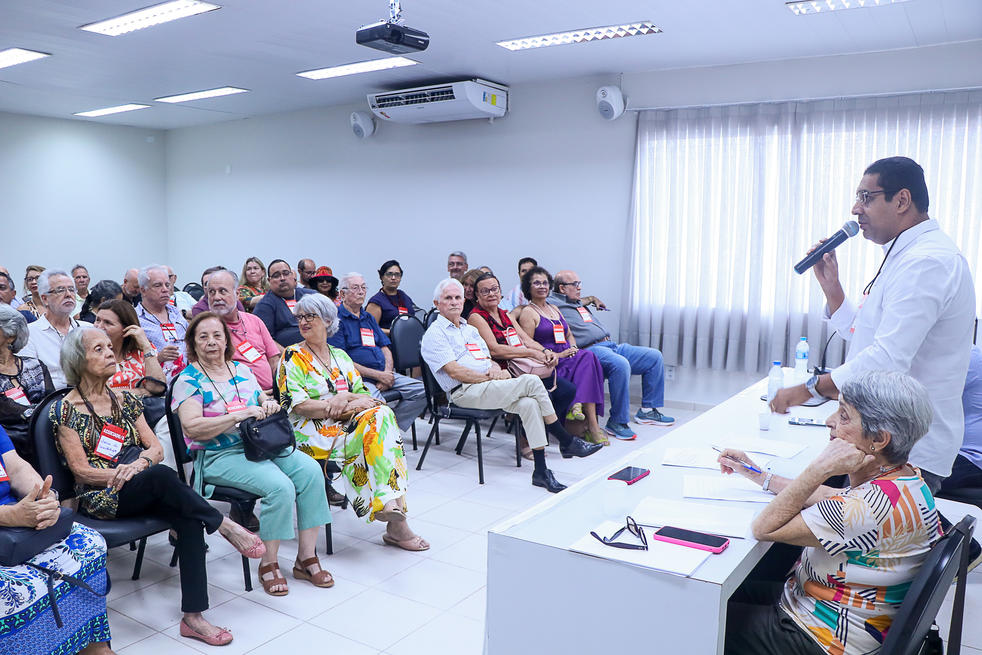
<point x="53" y="575"/>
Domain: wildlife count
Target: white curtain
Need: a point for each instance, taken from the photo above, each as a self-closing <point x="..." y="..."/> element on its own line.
<point x="727" y="199"/>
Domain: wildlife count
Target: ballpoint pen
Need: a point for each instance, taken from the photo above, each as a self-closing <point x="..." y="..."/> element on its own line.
<point x="744" y="465"/>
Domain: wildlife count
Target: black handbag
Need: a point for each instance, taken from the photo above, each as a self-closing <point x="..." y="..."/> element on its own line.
<point x="17" y="545"/>
<point x="266" y="438"/>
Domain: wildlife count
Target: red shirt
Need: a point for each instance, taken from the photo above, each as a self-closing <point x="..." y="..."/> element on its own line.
<point x="251" y="329"/>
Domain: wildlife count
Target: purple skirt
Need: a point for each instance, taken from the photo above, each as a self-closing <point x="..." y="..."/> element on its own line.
<point x="582" y="369"/>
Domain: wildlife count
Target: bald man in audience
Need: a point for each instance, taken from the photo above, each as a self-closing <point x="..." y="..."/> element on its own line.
<point x="306" y="268"/>
<point x="131" y="287"/>
<point x="202" y="305"/>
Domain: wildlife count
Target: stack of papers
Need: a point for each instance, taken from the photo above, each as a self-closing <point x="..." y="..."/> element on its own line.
<point x="728" y="521"/>
<point x="660" y="556"/>
<point x="724" y="487"/>
<point x="701" y="458"/>
<point x="784" y="449"/>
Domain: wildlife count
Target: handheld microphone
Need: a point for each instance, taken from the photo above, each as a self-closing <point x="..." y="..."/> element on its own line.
<point x="850" y="229"/>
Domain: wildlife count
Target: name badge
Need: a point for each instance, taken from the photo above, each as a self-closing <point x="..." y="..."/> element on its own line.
<point x="559" y="334"/>
<point x="476" y="351"/>
<point x="585" y="314"/>
<point x="172" y="302"/>
<point x="169" y="331"/>
<point x="248" y="351"/>
<point x="341" y="384"/>
<point x="235" y="406"/>
<point x="403" y="311"/>
<point x="367" y="337"/>
<point x="110" y="441"/>
<point x="291" y="305"/>
<point x="511" y="337"/>
<point x="17" y="395"/>
<point x="852" y="328"/>
<point x="3" y="473"/>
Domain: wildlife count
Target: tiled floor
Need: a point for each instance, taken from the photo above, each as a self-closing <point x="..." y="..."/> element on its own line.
<point x="432" y="602"/>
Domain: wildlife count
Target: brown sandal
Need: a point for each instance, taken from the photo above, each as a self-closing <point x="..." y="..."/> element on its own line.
<point x="277" y="579"/>
<point x="321" y="579"/>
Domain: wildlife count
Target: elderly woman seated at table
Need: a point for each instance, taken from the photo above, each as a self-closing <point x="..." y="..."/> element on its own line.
<point x="24" y="381"/>
<point x="27" y="623"/>
<point x="114" y="456"/>
<point x="863" y="545"/>
<point x="212" y="396"/>
<point x="390" y="302"/>
<point x="335" y="417"/>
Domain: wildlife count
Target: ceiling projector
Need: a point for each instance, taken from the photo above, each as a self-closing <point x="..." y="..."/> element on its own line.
<point x="391" y="35"/>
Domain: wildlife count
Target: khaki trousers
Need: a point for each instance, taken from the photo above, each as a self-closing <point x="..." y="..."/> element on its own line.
<point x="524" y="395"/>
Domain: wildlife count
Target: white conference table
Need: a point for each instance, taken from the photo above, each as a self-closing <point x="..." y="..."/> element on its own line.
<point x="544" y="598"/>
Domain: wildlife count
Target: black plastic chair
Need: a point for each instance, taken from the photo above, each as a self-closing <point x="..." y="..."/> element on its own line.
<point x="406" y="333"/>
<point x="948" y="558"/>
<point x="116" y="532"/>
<point x="430" y="317"/>
<point x="194" y="290"/>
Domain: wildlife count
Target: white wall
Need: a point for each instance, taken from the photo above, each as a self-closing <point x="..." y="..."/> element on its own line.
<point x="79" y="192"/>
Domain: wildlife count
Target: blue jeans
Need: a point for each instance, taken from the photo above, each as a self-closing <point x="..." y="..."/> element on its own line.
<point x="620" y="361"/>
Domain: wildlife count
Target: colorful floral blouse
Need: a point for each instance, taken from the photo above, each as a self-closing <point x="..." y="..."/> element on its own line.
<point x="247" y="293"/>
<point x="129" y="371"/>
<point x="213" y="396"/>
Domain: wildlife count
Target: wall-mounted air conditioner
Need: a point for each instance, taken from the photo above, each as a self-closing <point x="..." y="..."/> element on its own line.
<point x="454" y="101"/>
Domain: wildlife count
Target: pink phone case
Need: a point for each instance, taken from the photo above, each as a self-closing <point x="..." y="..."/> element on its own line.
<point x="691" y="544"/>
<point x="641" y="476"/>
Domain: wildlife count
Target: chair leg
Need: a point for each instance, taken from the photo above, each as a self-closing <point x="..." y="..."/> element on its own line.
<point x="463" y="437"/>
<point x="139" y="559"/>
<point x="518" y="448"/>
<point x="480" y="453"/>
<point x="414" y="435"/>
<point x="132" y="546"/>
<point x="246" y="573"/>
<point x="426" y="447"/>
<point x="173" y="558"/>
<point x="329" y="538"/>
<point x="493" y="423"/>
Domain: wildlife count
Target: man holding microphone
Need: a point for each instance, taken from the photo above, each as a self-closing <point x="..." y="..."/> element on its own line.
<point x="915" y="316"/>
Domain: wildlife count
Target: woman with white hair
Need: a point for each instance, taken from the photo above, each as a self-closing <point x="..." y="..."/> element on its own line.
<point x="863" y="545"/>
<point x="24" y="382"/>
<point x="335" y="417"/>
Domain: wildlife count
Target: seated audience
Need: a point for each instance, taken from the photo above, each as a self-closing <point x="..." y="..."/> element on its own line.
<point x="131" y="287"/>
<point x="57" y="292"/>
<point x="81" y="276"/>
<point x="253" y="283"/>
<point x="276" y="308"/>
<point x="515" y="298"/>
<point x="966" y="472"/>
<point x="32" y="299"/>
<point x="115" y="459"/>
<point x="335" y="418"/>
<point x="24" y="382"/>
<point x="252" y="344"/>
<point x="305" y="271"/>
<point x="468" y="279"/>
<point x="8" y="294"/>
<point x="99" y="293"/>
<point x="546" y="325"/>
<point x="507" y="341"/>
<point x="456" y="264"/>
<point x="212" y="395"/>
<point x="390" y="302"/>
<point x="362" y="339"/>
<point x="461" y="363"/>
<point x="137" y="368"/>
<point x="619" y="361"/>
<point x="202" y="304"/>
<point x="863" y="545"/>
<point x="324" y="283"/>
<point x="180" y="299"/>
<point x="163" y="324"/>
<point x="27" y="622"/>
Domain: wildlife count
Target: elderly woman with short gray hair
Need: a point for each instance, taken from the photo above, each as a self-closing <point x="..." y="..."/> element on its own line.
<point x="24" y="382"/>
<point x="335" y="418"/>
<point x="863" y="545"/>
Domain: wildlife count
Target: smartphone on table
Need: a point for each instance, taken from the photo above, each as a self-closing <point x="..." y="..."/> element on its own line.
<point x="630" y="474"/>
<point x="691" y="539"/>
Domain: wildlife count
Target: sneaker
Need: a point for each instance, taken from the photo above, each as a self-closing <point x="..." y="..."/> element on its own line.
<point x="653" y="417"/>
<point x="620" y="431"/>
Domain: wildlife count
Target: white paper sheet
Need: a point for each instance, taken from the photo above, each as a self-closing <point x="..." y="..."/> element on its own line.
<point x="660" y="556"/>
<point x="724" y="487"/>
<point x="773" y="447"/>
<point x="728" y="521"/>
<point x="702" y="458"/>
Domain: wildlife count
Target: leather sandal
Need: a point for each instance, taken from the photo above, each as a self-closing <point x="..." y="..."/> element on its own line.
<point x="277" y="579"/>
<point x="321" y="579"/>
<point x="415" y="543"/>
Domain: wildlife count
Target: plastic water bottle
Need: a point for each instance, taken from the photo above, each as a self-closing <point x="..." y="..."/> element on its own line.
<point x="775" y="381"/>
<point x="801" y="359"/>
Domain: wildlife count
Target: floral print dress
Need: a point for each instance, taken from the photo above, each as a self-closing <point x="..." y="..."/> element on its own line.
<point x="369" y="449"/>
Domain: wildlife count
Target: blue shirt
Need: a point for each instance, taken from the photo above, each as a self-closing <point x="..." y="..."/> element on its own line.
<point x="155" y="334"/>
<point x="389" y="309"/>
<point x="5" y="447"/>
<point x="279" y="320"/>
<point x="972" y="404"/>
<point x="348" y="339"/>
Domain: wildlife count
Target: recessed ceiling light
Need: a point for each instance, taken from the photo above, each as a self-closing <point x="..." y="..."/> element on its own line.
<point x="110" y="110"/>
<point x="358" y="67"/>
<point x="155" y="15"/>
<point x="14" y="56"/>
<point x="201" y="95"/>
<point x="803" y="7"/>
<point x="580" y="36"/>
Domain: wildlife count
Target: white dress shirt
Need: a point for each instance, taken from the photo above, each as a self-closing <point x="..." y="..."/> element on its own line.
<point x="445" y="342"/>
<point x="918" y="318"/>
<point x="45" y="345"/>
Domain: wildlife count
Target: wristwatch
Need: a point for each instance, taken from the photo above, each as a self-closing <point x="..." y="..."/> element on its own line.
<point x="812" y="386"/>
<point x="149" y="461"/>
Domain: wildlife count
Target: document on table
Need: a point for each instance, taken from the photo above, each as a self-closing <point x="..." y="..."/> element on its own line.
<point x="701" y="458"/>
<point x="724" y="487"/>
<point x="660" y="556"/>
<point x="773" y="447"/>
<point x="727" y="521"/>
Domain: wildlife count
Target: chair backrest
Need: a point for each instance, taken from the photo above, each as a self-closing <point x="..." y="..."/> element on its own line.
<point x="434" y="393"/>
<point x="928" y="590"/>
<point x="43" y="435"/>
<point x="406" y="333"/>
<point x="194" y="290"/>
<point x="431" y="316"/>
<point x="176" y="433"/>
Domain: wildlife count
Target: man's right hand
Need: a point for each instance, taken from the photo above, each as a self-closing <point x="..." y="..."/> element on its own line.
<point x="168" y="353"/>
<point x="499" y="374"/>
<point x="385" y="379"/>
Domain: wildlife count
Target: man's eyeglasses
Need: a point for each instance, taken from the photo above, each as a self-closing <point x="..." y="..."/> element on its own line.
<point x="489" y="292"/>
<point x="864" y="197"/>
<point x="61" y="291"/>
<point x="307" y="318"/>
<point x="577" y="284"/>
<point x="633" y="528"/>
<point x="279" y="274"/>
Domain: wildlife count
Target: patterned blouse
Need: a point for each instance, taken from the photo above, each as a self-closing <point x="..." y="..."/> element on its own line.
<point x="213" y="396"/>
<point x="304" y="377"/>
<point x="129" y="371"/>
<point x="247" y="293"/>
<point x="99" y="502"/>
<point x="874" y="539"/>
<point x="30" y="378"/>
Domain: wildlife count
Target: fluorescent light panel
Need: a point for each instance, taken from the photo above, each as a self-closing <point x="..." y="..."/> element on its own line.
<point x="583" y="35"/>
<point x="14" y="56"/>
<point x="803" y="7"/>
<point x="110" y="110"/>
<point x="155" y="15"/>
<point x="358" y="67"/>
<point x="201" y="95"/>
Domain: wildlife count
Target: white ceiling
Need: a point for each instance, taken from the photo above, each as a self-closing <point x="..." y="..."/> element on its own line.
<point x="261" y="44"/>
